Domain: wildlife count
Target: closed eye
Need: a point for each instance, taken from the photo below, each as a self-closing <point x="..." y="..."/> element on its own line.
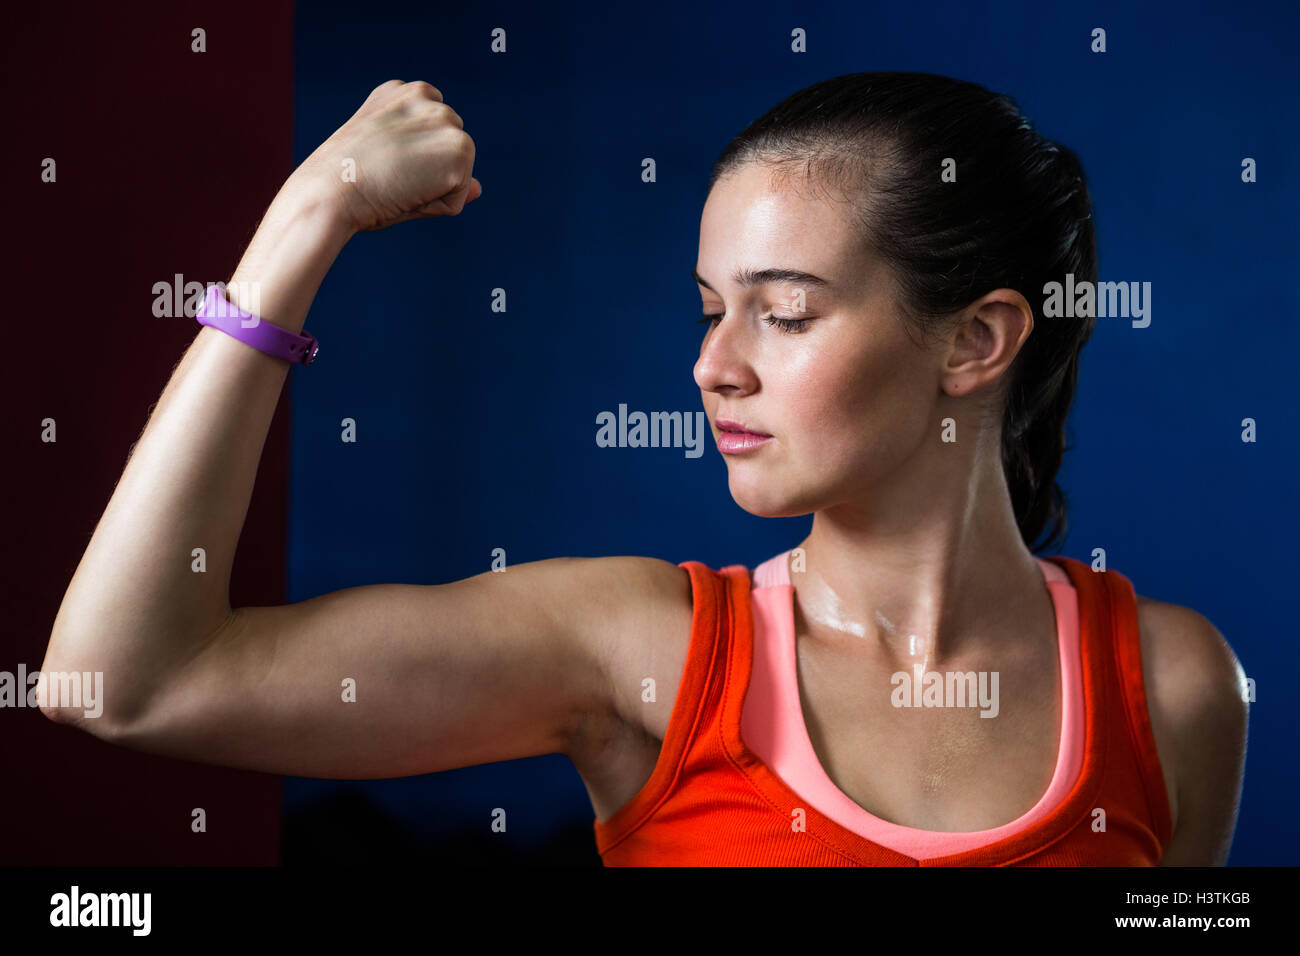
<point x="787" y="325"/>
<point x="792" y="326"/>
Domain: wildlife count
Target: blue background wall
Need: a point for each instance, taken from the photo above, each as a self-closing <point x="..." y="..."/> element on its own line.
<point x="602" y="310"/>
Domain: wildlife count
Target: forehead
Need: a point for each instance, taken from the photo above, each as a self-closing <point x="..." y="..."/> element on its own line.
<point x="754" y="216"/>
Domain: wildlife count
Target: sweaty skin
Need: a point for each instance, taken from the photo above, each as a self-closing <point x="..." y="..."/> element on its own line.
<point x="856" y="402"/>
<point x="855" y="407"/>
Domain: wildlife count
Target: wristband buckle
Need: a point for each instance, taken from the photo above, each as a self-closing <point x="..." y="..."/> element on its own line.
<point x="312" y="349"/>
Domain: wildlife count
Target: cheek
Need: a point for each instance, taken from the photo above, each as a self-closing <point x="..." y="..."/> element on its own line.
<point x="856" y="411"/>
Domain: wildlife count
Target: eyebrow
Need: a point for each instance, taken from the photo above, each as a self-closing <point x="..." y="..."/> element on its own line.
<point x="747" y="278"/>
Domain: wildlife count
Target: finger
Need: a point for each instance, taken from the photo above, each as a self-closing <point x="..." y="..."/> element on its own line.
<point x="453" y="116"/>
<point x="475" y="190"/>
<point x="426" y="89"/>
<point x="449" y="205"/>
<point x="455" y="202"/>
<point x="383" y="88"/>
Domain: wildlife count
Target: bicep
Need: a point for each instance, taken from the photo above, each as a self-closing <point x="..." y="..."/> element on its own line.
<point x="388" y="680"/>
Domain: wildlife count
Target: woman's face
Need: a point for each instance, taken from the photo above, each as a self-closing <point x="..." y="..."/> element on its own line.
<point x="847" y="397"/>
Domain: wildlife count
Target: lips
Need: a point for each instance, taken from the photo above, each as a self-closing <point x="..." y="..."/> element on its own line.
<point x="736" y="428"/>
<point x="737" y="439"/>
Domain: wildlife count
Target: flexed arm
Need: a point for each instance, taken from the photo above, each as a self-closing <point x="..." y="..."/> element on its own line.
<point x="135" y="610"/>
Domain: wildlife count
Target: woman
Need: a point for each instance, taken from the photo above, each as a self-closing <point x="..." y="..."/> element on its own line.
<point x="873" y="252"/>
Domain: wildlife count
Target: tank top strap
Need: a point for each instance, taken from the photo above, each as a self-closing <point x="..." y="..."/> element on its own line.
<point x="1132" y="686"/>
<point x="774" y="572"/>
<point x="695" y="707"/>
<point x="1116" y="657"/>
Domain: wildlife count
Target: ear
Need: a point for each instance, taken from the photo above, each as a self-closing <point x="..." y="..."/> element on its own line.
<point x="984" y="341"/>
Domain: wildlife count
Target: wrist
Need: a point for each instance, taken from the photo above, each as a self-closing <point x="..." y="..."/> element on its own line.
<point x="297" y="241"/>
<point x="306" y="198"/>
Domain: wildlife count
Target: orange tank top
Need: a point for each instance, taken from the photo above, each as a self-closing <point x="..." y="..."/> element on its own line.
<point x="711" y="801"/>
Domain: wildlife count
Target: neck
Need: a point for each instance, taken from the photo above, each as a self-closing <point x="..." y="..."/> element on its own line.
<point x="928" y="569"/>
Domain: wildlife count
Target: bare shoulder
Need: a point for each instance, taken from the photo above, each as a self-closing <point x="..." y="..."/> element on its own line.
<point x="1194" y="688"/>
<point x="637" y="627"/>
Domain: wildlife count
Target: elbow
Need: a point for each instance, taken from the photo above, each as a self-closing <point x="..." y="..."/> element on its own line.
<point x="54" y="713"/>
<point x="91" y="720"/>
<point x="68" y="716"/>
<point x="73" y="697"/>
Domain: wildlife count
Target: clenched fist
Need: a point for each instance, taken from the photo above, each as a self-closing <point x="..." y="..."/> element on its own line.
<point x="403" y="155"/>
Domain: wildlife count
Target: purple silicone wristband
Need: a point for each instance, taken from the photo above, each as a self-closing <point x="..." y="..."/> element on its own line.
<point x="219" y="312"/>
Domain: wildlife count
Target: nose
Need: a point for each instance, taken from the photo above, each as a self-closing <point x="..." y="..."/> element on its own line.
<point x="723" y="365"/>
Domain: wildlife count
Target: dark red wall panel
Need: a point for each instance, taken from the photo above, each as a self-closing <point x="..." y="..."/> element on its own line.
<point x="166" y="159"/>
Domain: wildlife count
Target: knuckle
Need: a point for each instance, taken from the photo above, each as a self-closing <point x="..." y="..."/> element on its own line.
<point x="451" y="179"/>
<point x="423" y="88"/>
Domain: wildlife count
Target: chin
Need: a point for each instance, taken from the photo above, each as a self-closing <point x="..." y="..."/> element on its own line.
<point x="765" y="501"/>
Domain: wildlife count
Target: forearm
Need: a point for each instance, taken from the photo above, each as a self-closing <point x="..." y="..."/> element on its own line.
<point x="136" y="607"/>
